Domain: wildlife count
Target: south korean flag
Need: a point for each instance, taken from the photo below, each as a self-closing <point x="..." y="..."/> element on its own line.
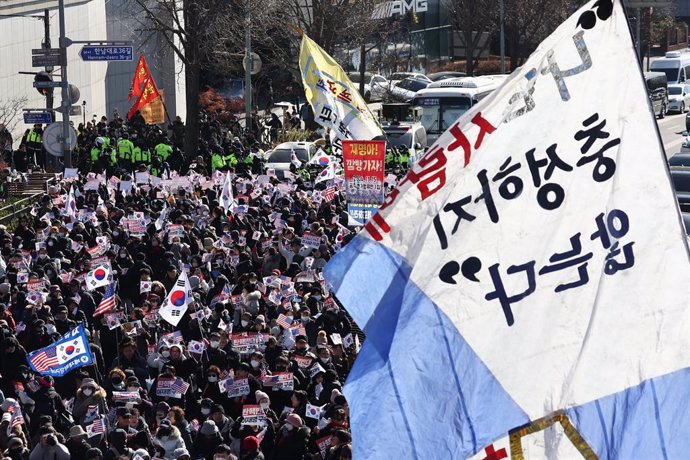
<point x="178" y="300"/>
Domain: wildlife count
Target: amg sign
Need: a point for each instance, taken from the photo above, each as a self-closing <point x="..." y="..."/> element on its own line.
<point x="401" y="7"/>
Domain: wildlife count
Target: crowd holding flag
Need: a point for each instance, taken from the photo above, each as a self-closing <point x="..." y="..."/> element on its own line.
<point x="176" y="304"/>
<point x="141" y="74"/>
<point x="554" y="303"/>
<point x="148" y="95"/>
<point x="108" y="301"/>
<point x="70" y="352"/>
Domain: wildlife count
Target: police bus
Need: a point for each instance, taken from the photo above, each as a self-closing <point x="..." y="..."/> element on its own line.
<point x="443" y="102"/>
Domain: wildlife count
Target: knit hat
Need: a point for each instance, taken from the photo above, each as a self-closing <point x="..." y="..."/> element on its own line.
<point x="334" y="394"/>
<point x="6" y="417"/>
<point x="181" y="452"/>
<point x="163" y="407"/>
<point x="94" y="452"/>
<point x="275" y="272"/>
<point x="76" y="431"/>
<point x="294" y="420"/>
<point x="209" y="428"/>
<point x="250" y="444"/>
<point x="88" y="382"/>
<point x="142" y="453"/>
<point x="259" y="395"/>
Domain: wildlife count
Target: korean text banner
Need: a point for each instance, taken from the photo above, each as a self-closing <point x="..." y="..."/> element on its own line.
<point x="538" y="248"/>
<point x="70" y="352"/>
<point x="336" y="101"/>
<point x="363" y="165"/>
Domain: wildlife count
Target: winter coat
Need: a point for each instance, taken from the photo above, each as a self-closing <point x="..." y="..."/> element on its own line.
<point x="173" y="442"/>
<point x="82" y="403"/>
<point x="46" y="452"/>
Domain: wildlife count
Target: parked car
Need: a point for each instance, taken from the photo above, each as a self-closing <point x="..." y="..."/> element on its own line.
<point x="375" y="86"/>
<point x="397" y="77"/>
<point x="406" y="90"/>
<point x="680" y="176"/>
<point x="678" y="98"/>
<point x="280" y="158"/>
<point x="657" y="88"/>
<point x="410" y="135"/>
<point x="438" y="76"/>
<point x="680" y="159"/>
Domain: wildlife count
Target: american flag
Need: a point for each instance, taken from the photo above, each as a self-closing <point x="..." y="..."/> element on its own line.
<point x="17" y="417"/>
<point x="108" y="302"/>
<point x="284" y="322"/>
<point x="97" y="427"/>
<point x="180" y="386"/>
<point x="328" y="194"/>
<point x="45" y="359"/>
<point x="172" y="338"/>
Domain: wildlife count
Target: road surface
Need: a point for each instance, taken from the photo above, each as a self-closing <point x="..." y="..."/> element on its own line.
<point x="670" y="129"/>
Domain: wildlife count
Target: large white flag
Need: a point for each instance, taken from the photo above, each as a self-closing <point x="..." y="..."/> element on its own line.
<point x="160" y="222"/>
<point x="71" y="203"/>
<point x="227" y="198"/>
<point x="178" y="299"/>
<point x="538" y="250"/>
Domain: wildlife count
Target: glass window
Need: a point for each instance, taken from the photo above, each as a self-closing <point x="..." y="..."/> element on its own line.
<point x="284" y="155"/>
<point x="675" y="90"/>
<point x="671" y="73"/>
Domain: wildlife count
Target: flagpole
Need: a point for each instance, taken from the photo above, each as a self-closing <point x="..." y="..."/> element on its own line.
<point x="165" y="109"/>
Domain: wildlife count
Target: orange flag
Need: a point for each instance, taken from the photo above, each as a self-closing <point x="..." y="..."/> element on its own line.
<point x="148" y="94"/>
<point x="141" y="73"/>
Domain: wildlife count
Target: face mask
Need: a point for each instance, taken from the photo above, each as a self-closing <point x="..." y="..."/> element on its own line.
<point x="43" y="256"/>
<point x="50" y="243"/>
<point x="122" y="256"/>
<point x="244" y="323"/>
<point x="51" y="329"/>
<point x="325" y="360"/>
<point x="264" y="406"/>
<point x="133" y="389"/>
<point x="165" y="354"/>
<point x="165" y="438"/>
<point x="215" y="344"/>
<point x="289" y="427"/>
<point x="213" y="379"/>
<point x="88" y="391"/>
<point x="254" y="363"/>
<point x="305" y="319"/>
<point x="317" y="297"/>
<point x="205" y="411"/>
<point x="75" y="310"/>
<point x="115" y="234"/>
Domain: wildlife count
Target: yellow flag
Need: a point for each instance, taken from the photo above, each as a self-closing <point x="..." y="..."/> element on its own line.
<point x="335" y="99"/>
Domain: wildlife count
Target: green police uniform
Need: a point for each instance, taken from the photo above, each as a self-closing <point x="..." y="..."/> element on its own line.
<point x="217" y="161"/>
<point x="163" y="151"/>
<point x="125" y="148"/>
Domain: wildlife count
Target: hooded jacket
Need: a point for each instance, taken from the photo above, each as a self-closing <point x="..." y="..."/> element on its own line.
<point x="174" y="441"/>
<point x="82" y="403"/>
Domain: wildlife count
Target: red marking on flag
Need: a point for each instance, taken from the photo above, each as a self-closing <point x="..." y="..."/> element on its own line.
<point x="491" y="454"/>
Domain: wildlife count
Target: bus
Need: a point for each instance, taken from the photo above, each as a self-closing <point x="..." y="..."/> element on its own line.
<point x="443" y="102"/>
<point x="675" y="65"/>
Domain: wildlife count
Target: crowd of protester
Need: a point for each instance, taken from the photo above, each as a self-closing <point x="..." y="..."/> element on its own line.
<point x="253" y="273"/>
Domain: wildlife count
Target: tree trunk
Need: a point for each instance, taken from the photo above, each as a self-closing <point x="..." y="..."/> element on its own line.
<point x="191" y="135"/>
<point x="469" y="54"/>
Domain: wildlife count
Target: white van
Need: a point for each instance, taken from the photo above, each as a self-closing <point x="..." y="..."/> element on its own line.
<point x="675" y="65"/>
<point x="443" y="102"/>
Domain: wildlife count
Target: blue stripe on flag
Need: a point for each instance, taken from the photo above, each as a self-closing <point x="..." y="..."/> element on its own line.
<point x="650" y="420"/>
<point x="416" y="387"/>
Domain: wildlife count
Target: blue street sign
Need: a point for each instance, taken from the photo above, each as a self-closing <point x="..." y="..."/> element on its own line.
<point x="33" y="118"/>
<point x="106" y="53"/>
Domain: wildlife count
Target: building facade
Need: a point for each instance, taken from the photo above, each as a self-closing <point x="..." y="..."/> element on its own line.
<point x="104" y="87"/>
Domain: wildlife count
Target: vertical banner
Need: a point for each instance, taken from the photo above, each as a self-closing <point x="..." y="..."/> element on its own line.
<point x="363" y="162"/>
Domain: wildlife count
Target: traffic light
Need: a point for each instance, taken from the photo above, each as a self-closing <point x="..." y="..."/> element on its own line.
<point x="43" y="76"/>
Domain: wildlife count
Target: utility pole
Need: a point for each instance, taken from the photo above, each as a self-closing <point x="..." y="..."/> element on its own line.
<point x="501" y="4"/>
<point x="64" y="108"/>
<point x="248" y="71"/>
<point x="46" y="45"/>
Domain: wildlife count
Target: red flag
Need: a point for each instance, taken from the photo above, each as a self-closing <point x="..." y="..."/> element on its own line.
<point x="141" y="74"/>
<point x="149" y="94"/>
